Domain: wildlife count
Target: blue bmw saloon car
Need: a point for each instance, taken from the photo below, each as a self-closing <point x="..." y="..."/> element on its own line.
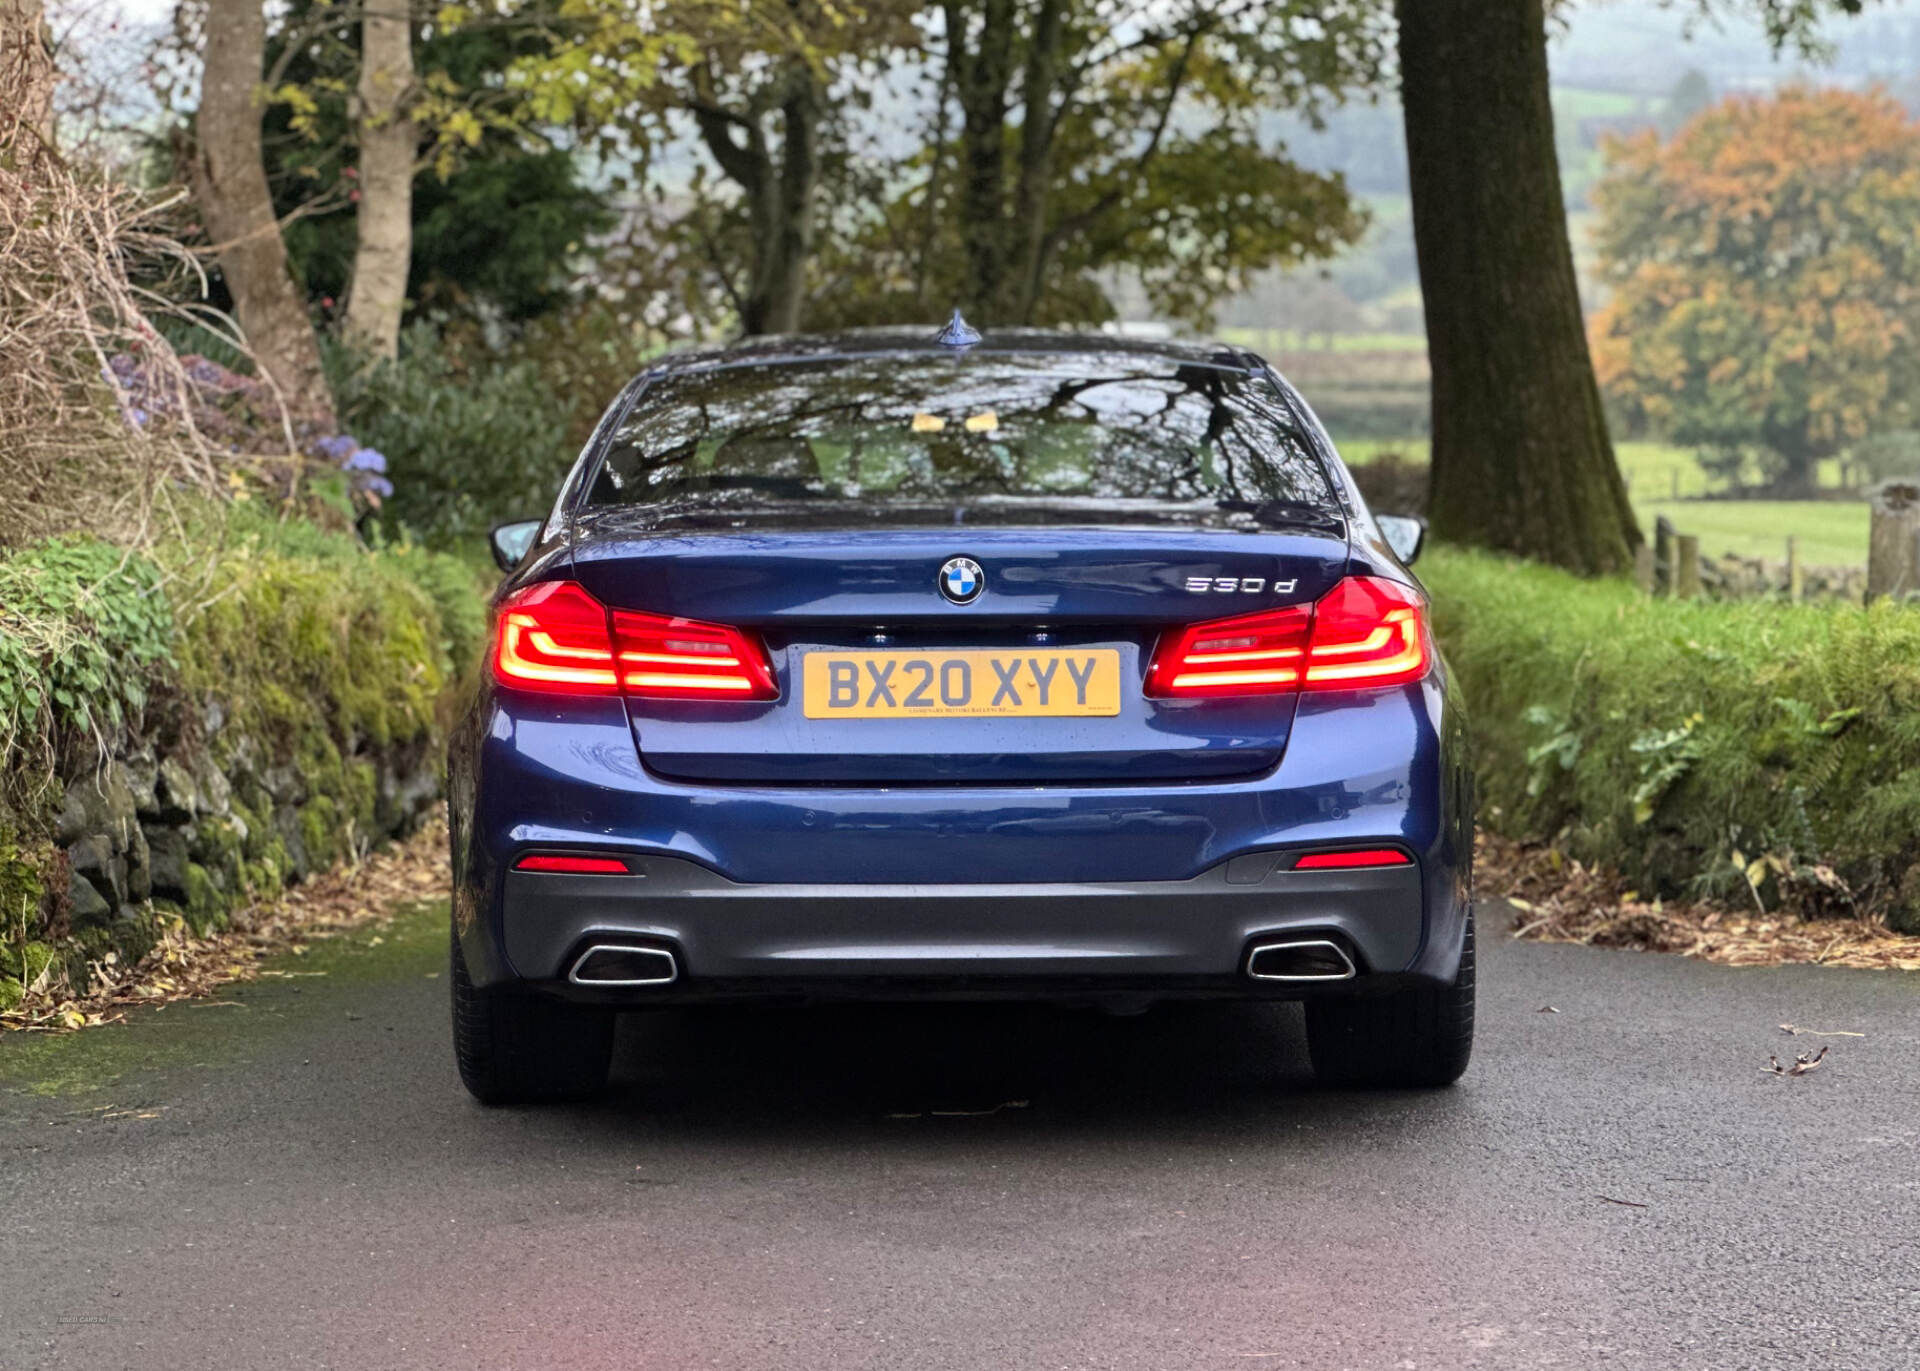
<point x="893" y="666"/>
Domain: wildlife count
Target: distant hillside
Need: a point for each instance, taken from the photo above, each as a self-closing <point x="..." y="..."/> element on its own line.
<point x="1617" y="67"/>
<point x="1645" y="47"/>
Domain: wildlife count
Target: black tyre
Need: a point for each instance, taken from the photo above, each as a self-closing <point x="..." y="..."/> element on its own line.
<point x="516" y="1049"/>
<point x="1419" y="1037"/>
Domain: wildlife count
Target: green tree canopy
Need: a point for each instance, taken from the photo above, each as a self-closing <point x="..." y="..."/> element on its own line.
<point x="1071" y="146"/>
<point x="878" y="161"/>
<point x="762" y="90"/>
<point x="1765" y="269"/>
<point x="501" y="215"/>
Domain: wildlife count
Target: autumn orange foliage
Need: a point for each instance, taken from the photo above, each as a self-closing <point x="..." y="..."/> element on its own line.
<point x="1765" y="275"/>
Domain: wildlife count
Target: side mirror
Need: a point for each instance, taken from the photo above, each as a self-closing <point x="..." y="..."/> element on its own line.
<point x="511" y="541"/>
<point x="1405" y="533"/>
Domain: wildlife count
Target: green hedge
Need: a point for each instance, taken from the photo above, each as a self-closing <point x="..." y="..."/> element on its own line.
<point x="1707" y="749"/>
<point x="466" y="446"/>
<point x="285" y="672"/>
<point x="82" y="627"/>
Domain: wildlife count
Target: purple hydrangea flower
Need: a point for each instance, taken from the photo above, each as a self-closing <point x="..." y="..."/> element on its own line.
<point x="365" y="459"/>
<point x="339" y="447"/>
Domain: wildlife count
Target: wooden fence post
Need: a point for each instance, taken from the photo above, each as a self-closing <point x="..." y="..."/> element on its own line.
<point x="1686" y="573"/>
<point x="1643" y="568"/>
<point x="1796" y="575"/>
<point x="1663" y="556"/>
<point x="1891" y="566"/>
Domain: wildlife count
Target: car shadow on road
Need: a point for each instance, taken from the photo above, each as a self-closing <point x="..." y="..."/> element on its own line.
<point x="751" y="1073"/>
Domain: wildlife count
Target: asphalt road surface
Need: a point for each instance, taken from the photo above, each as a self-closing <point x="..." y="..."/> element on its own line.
<point x="296" y="1180"/>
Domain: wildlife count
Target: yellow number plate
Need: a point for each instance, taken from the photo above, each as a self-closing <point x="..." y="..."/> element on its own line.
<point x="1075" y="683"/>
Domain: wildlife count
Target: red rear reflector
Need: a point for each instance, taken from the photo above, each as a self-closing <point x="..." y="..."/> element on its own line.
<point x="576" y="866"/>
<point x="1364" y="632"/>
<point x="1346" y="861"/>
<point x="555" y="636"/>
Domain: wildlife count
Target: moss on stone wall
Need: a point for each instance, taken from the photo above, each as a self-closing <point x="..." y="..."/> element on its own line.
<point x="288" y="718"/>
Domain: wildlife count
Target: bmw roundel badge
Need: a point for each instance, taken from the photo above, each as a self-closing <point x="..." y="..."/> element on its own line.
<point x="961" y="580"/>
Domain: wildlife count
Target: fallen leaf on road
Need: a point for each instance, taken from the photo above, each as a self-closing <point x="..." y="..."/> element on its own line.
<point x="1630" y="1204"/>
<point x="1802" y="1064"/>
<point x="1546" y="1009"/>
<point x="1563" y="900"/>
<point x="1815" y="1033"/>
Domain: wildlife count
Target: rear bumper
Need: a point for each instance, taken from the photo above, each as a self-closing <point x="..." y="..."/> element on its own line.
<point x="1171" y="935"/>
<point x="1007" y="891"/>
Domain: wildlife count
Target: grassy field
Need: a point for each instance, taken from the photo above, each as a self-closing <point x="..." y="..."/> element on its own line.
<point x="1654" y="471"/>
<point x="1831" y="532"/>
<point x="1269" y="341"/>
<point x="1572" y="103"/>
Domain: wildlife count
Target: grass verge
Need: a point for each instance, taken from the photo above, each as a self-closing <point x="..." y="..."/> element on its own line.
<point x="1746" y="752"/>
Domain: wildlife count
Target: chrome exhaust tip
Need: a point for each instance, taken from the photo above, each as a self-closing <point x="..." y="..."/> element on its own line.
<point x="612" y="965"/>
<point x="1300" y="960"/>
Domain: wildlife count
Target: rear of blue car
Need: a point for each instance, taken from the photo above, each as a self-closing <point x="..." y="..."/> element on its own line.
<point x="1044" y="669"/>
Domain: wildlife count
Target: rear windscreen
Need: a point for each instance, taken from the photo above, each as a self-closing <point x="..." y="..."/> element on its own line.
<point x="915" y="429"/>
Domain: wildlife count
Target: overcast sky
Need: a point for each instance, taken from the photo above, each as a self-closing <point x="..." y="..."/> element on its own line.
<point x="1643" y="46"/>
<point x="1658" y="25"/>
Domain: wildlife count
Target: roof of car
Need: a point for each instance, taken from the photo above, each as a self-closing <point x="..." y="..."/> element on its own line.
<point x="775" y="349"/>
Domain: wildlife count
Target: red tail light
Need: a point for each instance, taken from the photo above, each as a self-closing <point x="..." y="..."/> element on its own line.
<point x="1353" y="861"/>
<point x="1368" y="632"/>
<point x="1365" y="632"/>
<point x="553" y="636"/>
<point x="1253" y="654"/>
<point x="556" y="637"/>
<point x="686" y="660"/>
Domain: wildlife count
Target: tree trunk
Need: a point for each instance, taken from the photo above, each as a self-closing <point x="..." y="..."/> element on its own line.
<point x="230" y="185"/>
<point x="1798" y="477"/>
<point x="984" y="76"/>
<point x="1036" y="157"/>
<point x="26" y="82"/>
<point x="779" y="195"/>
<point x="789" y="248"/>
<point x="1521" y="458"/>
<point x="388" y="142"/>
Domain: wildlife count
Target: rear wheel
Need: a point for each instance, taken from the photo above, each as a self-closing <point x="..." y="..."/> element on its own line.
<point x="1421" y="1036"/>
<point x="516" y="1049"/>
